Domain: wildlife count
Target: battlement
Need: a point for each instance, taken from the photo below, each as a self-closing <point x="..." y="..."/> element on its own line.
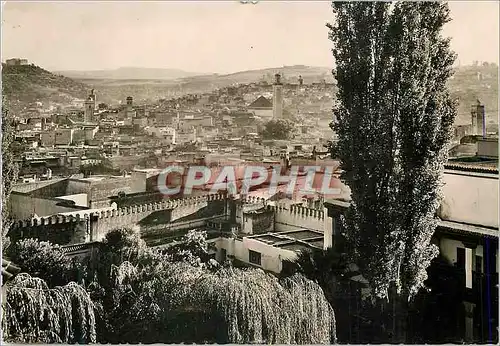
<point x="252" y="200"/>
<point x="298" y="210"/>
<point x="82" y="216"/>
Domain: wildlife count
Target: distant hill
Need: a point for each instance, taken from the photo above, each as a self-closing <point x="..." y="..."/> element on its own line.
<point x="290" y="74"/>
<point x="472" y="83"/>
<point x="154" y="89"/>
<point x="129" y="73"/>
<point x="26" y="84"/>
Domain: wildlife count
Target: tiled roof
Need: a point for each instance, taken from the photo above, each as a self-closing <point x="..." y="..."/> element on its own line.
<point x="473" y="167"/>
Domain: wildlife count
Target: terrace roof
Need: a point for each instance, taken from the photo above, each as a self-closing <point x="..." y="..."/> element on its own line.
<point x="295" y="240"/>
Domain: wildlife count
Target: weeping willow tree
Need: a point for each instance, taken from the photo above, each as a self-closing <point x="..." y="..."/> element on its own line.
<point x="149" y="297"/>
<point x="33" y="313"/>
<point x="257" y="307"/>
<point x="227" y="306"/>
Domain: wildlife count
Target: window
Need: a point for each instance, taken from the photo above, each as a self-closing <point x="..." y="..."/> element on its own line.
<point x="461" y="258"/>
<point x="254" y="257"/>
<point x="479" y="264"/>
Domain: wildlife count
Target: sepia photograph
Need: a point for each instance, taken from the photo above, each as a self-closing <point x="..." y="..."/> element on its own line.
<point x="250" y="172"/>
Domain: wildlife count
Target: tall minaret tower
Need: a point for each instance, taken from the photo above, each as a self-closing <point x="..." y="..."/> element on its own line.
<point x="93" y="97"/>
<point x="478" y="119"/>
<point x="130" y="107"/>
<point x="89" y="107"/>
<point x="277" y="97"/>
<point x="130" y="102"/>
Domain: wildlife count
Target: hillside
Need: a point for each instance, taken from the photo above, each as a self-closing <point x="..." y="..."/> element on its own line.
<point x="156" y="88"/>
<point x="27" y="84"/>
<point x="472" y="83"/>
<point x="127" y="73"/>
<point x="469" y="84"/>
<point x="290" y="74"/>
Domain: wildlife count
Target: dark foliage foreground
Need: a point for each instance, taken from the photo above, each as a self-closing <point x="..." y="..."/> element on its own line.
<point x="136" y="295"/>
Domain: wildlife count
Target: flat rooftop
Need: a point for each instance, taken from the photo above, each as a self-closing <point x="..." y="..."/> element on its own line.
<point x="97" y="178"/>
<point x="295" y="240"/>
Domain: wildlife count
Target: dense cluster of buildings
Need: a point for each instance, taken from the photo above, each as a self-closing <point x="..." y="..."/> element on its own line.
<point x="260" y="228"/>
<point x="225" y="123"/>
<point x="88" y="171"/>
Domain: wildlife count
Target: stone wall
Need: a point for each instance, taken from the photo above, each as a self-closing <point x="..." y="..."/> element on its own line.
<point x="154" y="217"/>
<point x="257" y="222"/>
<point x="45" y="188"/>
<point x="271" y="257"/>
<point x="58" y="230"/>
<point x="23" y="206"/>
<point x="78" y="186"/>
<point x="100" y="190"/>
<point x="297" y="217"/>
<point x="470" y="198"/>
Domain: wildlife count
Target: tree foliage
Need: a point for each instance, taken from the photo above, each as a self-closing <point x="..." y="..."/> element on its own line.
<point x="326" y="267"/>
<point x="393" y="119"/>
<point x="122" y="238"/>
<point x="34" y="313"/>
<point x="237" y="306"/>
<point x="139" y="295"/>
<point x="179" y="296"/>
<point x="10" y="169"/>
<point x="277" y="129"/>
<point x="45" y="260"/>
<point x="193" y="248"/>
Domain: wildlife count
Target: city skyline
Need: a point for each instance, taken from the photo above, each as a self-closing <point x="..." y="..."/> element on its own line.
<point x="212" y="37"/>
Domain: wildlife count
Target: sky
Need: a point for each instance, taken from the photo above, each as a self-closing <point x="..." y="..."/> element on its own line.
<point x="204" y="36"/>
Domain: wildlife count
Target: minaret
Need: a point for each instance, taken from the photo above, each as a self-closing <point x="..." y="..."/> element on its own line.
<point x="89" y="107"/>
<point x="301" y="81"/>
<point x="277" y="97"/>
<point x="93" y="97"/>
<point x="130" y="102"/>
<point x="130" y="107"/>
<point x="478" y="119"/>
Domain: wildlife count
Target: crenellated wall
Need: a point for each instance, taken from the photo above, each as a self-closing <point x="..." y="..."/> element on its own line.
<point x="150" y="216"/>
<point x="247" y="205"/>
<point x="60" y="229"/>
<point x="296" y="217"/>
<point x="160" y="219"/>
<point x="96" y="224"/>
<point x="249" y="200"/>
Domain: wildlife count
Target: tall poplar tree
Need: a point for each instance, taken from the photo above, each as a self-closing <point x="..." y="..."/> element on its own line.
<point x="393" y="118"/>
